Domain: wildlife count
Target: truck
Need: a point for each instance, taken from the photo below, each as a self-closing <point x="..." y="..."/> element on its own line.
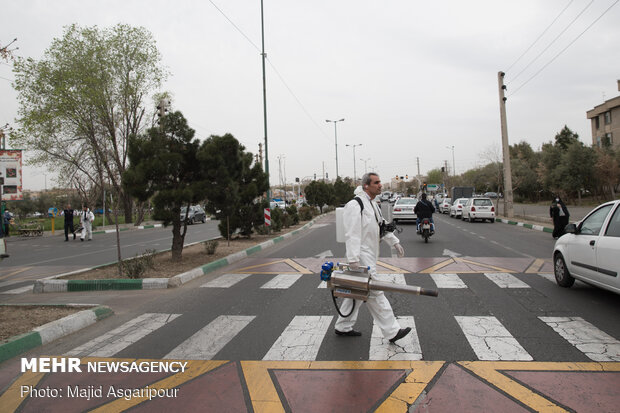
<point x="462" y="192"/>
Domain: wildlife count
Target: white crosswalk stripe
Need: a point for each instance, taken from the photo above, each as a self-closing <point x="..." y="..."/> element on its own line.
<point x="594" y="343"/>
<point x="118" y="339"/>
<point x="301" y="339"/>
<point x="225" y="281"/>
<point x="505" y="280"/>
<point x="448" y="281"/>
<point x="407" y="348"/>
<point x="209" y="340"/>
<point x="490" y="340"/>
<point x="281" y="281"/>
<point x="391" y="278"/>
<point x="549" y="277"/>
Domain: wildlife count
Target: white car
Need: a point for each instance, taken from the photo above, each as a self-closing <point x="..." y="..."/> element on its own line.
<point x="444" y="205"/>
<point x="456" y="209"/>
<point x="479" y="208"/>
<point x="403" y="209"/>
<point x="589" y="251"/>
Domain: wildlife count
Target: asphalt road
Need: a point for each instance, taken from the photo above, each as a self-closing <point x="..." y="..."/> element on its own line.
<point x="34" y="258"/>
<point x="249" y="315"/>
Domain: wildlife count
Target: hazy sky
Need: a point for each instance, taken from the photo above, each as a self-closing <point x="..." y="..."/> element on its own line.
<point x="410" y="78"/>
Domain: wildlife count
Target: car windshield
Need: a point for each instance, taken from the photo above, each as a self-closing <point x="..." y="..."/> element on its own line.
<point x="483" y="202"/>
<point x="593" y="223"/>
<point x="407" y="201"/>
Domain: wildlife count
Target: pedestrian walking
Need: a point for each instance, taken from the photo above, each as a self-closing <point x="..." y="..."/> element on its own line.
<point x="7" y="222"/>
<point x="86" y="220"/>
<point x="559" y="214"/>
<point x="362" y="221"/>
<point x="68" y="214"/>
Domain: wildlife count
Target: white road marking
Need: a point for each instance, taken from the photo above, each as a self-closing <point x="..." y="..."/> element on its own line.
<point x="282" y="281"/>
<point x="225" y="281"/>
<point x="505" y="280"/>
<point x="122" y="337"/>
<point x="407" y="348"/>
<point x="18" y="290"/>
<point x="324" y="254"/>
<point x="594" y="343"/>
<point x="448" y="281"/>
<point x="212" y="338"/>
<point x="490" y="340"/>
<point x="391" y="278"/>
<point x="301" y="339"/>
<point x="549" y="277"/>
<point x="323" y="284"/>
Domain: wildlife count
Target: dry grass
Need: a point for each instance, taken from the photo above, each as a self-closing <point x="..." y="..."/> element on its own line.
<point x="15" y="320"/>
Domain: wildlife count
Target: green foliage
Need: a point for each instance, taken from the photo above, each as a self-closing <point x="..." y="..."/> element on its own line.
<point x="79" y="104"/>
<point x="277" y="219"/>
<point x="343" y="191"/>
<point x="234" y="183"/>
<point x="291" y="212"/>
<point x="565" y="138"/>
<point x="319" y="193"/>
<point x="435" y="176"/>
<point x="165" y="169"/>
<point x="136" y="267"/>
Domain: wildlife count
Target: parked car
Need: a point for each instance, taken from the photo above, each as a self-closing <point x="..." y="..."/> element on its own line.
<point x="491" y="195"/>
<point x="444" y="205"/>
<point x="479" y="208"/>
<point x="589" y="250"/>
<point x="277" y="204"/>
<point x="385" y="196"/>
<point x="403" y="209"/>
<point x="194" y="215"/>
<point x="456" y="209"/>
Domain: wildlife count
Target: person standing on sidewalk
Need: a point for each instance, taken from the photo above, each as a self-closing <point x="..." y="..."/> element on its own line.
<point x="6" y="220"/>
<point x="86" y="220"/>
<point x="559" y="214"/>
<point x="362" y="220"/>
<point x="68" y="213"/>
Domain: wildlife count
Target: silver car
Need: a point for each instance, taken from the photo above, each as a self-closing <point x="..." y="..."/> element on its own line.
<point x="195" y="214"/>
<point x="403" y="209"/>
<point x="589" y="251"/>
<point x="456" y="209"/>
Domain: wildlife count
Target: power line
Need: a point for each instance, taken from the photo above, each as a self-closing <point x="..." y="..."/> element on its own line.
<point x="541" y="35"/>
<point x="553" y="41"/>
<point x="274" y="69"/>
<point x="563" y="50"/>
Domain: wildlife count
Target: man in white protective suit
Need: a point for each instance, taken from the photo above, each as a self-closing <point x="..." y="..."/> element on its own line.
<point x="361" y="229"/>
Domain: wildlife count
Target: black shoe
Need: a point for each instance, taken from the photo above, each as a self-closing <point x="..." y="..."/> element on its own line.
<point x="401" y="333"/>
<point x="82" y="239"/>
<point x="74" y="237"/>
<point x="351" y="333"/>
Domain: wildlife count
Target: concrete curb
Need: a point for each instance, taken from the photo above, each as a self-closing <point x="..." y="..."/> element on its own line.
<point x="523" y="224"/>
<point x="55" y="285"/>
<point x="53" y="330"/>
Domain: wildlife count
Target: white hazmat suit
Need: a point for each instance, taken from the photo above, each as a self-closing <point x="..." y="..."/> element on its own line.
<point x="86" y="220"/>
<point x="362" y="246"/>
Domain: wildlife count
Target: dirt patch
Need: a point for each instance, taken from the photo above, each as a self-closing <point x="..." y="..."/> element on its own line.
<point x="193" y="256"/>
<point x="16" y="320"/>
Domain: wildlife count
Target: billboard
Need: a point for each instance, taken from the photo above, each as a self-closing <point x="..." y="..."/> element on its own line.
<point x="11" y="174"/>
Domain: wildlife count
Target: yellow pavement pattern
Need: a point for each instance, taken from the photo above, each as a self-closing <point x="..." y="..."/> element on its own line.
<point x="265" y="399"/>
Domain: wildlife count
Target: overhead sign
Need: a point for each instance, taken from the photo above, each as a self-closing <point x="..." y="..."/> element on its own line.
<point x="11" y="173"/>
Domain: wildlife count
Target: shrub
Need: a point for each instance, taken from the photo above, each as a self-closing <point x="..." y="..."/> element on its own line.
<point x="210" y="246"/>
<point x="277" y="219"/>
<point x="136" y="267"/>
<point x="291" y="211"/>
<point x="306" y="213"/>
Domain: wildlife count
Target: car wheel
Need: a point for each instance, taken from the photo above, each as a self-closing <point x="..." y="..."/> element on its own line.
<point x="562" y="276"/>
<point x="204" y="219"/>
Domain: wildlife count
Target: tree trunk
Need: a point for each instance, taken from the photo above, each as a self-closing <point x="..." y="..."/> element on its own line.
<point x="177" y="241"/>
<point x="128" y="207"/>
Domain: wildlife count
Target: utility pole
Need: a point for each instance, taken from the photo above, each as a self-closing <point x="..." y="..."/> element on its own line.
<point x="323" y="171"/>
<point x="418" y="159"/>
<point x="508" y="205"/>
<point x="264" y="55"/>
<point x="260" y="153"/>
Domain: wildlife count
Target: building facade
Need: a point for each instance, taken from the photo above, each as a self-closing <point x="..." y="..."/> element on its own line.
<point x="605" y="122"/>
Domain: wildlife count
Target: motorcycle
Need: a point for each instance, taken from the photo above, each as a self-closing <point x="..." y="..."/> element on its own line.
<point x="425" y="229"/>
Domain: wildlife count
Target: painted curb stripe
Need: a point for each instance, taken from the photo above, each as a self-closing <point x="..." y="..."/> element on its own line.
<point x="100" y="285"/>
<point x="19" y="344"/>
<point x="529" y="226"/>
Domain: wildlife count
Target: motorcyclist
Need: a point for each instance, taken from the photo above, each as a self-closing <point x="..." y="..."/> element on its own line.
<point x="424" y="209"/>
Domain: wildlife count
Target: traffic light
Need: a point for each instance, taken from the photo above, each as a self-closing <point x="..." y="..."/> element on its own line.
<point x="424" y="187"/>
<point x="397" y="177"/>
<point x="406" y="176"/>
<point x="443" y="169"/>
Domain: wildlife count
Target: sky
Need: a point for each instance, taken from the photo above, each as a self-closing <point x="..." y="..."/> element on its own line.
<point x="412" y="80"/>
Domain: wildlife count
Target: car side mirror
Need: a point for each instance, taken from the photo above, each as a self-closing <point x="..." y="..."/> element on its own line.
<point x="571" y="229"/>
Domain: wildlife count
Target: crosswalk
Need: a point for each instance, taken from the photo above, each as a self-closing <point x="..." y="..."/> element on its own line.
<point x="304" y="335"/>
<point x="441" y="280"/>
<point x="309" y="337"/>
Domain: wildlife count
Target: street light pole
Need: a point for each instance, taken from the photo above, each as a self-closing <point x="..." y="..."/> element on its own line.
<point x="264" y="55"/>
<point x="453" y="167"/>
<point x="354" y="171"/>
<point x="336" y="140"/>
<point x="365" y="164"/>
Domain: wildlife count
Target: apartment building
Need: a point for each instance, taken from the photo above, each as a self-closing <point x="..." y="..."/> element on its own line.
<point x="605" y="122"/>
